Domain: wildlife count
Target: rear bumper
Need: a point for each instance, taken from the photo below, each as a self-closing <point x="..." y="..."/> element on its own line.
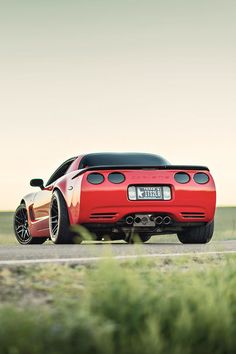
<point x="177" y="213"/>
<point x="108" y="203"/>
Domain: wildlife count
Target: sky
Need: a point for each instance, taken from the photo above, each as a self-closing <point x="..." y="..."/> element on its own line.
<point x="136" y="75"/>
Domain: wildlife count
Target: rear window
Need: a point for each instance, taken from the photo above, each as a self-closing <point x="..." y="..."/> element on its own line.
<point x="122" y="159"/>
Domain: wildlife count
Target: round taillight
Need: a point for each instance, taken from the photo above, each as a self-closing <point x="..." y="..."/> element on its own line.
<point x="116" y="177"/>
<point x="182" y="177"/>
<point x="95" y="178"/>
<point x="201" y="178"/>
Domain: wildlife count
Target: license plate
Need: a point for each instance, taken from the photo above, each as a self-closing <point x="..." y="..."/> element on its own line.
<point x="149" y="193"/>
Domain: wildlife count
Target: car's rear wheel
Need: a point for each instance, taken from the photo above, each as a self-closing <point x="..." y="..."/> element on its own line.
<point x="135" y="238"/>
<point x="21" y="228"/>
<point x="59" y="224"/>
<point x="200" y="234"/>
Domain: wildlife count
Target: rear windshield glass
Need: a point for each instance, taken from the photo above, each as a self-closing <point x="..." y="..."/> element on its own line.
<point x="122" y="159"/>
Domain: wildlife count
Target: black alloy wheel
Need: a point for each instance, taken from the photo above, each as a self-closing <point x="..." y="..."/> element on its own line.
<point x="21" y="228"/>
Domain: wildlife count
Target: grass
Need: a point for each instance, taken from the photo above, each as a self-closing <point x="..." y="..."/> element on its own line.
<point x="225" y="227"/>
<point x="6" y="228"/>
<point x="185" y="305"/>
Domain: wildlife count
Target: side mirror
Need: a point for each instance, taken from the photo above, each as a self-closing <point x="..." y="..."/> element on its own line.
<point x="37" y="182"/>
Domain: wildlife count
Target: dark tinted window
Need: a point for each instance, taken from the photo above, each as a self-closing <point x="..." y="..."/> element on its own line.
<point x="60" y="171"/>
<point x="122" y="159"/>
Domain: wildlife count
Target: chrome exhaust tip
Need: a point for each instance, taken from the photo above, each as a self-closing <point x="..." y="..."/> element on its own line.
<point x="167" y="220"/>
<point x="159" y="220"/>
<point x="137" y="220"/>
<point x="145" y="220"/>
<point x="129" y="220"/>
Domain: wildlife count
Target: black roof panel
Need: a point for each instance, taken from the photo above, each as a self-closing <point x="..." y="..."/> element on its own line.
<point x="122" y="159"/>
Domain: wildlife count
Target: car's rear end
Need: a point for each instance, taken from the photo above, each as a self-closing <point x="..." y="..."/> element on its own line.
<point x="147" y="200"/>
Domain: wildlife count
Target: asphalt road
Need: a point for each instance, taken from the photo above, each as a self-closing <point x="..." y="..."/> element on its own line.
<point x="91" y="252"/>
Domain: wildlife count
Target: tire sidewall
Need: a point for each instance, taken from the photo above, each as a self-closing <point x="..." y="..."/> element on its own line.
<point x="201" y="234"/>
<point x="53" y="237"/>
<point x="63" y="234"/>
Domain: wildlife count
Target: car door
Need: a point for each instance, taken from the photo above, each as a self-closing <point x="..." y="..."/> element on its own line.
<point x="42" y="200"/>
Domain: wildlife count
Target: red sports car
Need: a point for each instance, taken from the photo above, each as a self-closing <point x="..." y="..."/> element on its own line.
<point x="120" y="195"/>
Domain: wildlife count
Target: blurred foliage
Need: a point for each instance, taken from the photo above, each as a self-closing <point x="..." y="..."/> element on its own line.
<point x="184" y="305"/>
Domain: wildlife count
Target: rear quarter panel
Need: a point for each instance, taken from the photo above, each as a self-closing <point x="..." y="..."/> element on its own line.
<point x="70" y="188"/>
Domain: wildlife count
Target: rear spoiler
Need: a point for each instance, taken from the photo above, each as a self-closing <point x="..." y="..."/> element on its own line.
<point x="133" y="167"/>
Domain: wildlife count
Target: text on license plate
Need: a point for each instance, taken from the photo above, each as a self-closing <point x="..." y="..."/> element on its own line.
<point x="149" y="193"/>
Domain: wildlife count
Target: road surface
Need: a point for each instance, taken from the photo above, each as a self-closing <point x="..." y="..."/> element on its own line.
<point x="91" y="252"/>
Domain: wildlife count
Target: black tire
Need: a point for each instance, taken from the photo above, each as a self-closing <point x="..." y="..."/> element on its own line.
<point x="200" y="234"/>
<point x="59" y="224"/>
<point x="21" y="228"/>
<point x="134" y="238"/>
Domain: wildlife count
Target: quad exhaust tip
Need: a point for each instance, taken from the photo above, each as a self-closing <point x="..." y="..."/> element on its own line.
<point x="159" y="220"/>
<point x="129" y="220"/>
<point x="137" y="220"/>
<point x="166" y="220"/>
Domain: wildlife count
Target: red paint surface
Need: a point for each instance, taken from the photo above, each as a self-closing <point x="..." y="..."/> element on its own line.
<point x="83" y="198"/>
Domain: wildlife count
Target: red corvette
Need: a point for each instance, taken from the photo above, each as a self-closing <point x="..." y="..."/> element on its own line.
<point x="120" y="195"/>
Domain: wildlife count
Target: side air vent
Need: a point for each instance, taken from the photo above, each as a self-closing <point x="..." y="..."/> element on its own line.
<point x="102" y="215"/>
<point x="192" y="215"/>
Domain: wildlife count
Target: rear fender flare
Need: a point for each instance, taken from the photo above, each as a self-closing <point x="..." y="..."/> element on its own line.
<point x="67" y="193"/>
